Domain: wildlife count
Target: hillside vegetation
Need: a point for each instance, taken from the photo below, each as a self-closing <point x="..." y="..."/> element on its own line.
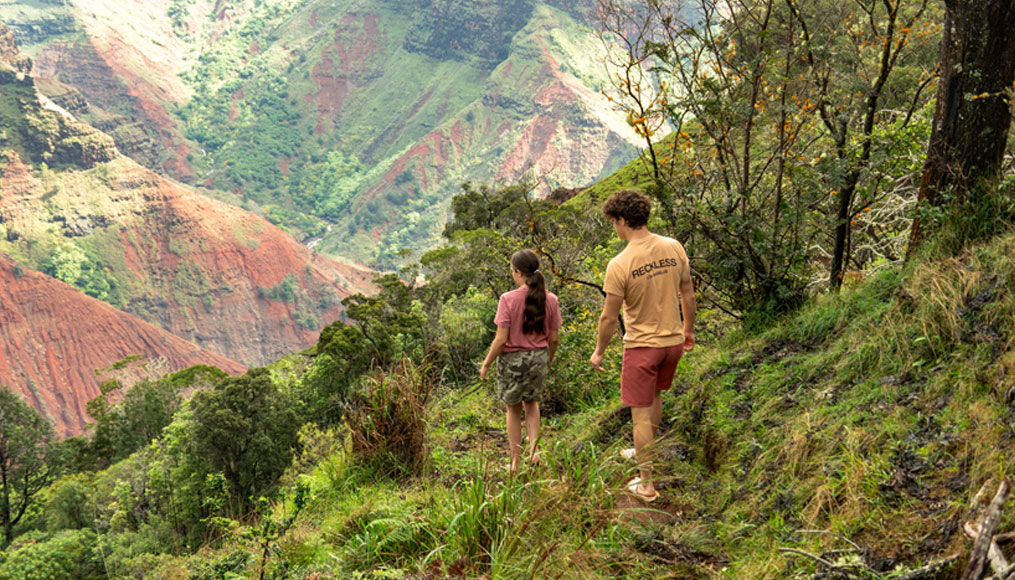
<point x="872" y="415"/>
<point x="850" y="395"/>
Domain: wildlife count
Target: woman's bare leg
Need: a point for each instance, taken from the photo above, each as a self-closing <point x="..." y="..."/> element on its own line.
<point x="514" y="430"/>
<point x="532" y="427"/>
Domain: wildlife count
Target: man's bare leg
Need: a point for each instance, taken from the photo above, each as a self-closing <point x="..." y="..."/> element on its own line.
<point x="514" y="430"/>
<point x="645" y="426"/>
<point x="532" y="427"/>
<point x="657" y="414"/>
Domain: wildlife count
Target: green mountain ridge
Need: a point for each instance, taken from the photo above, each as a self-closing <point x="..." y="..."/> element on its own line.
<point x="397" y="103"/>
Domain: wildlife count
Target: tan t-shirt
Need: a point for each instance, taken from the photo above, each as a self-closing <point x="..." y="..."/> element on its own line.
<point x="646" y="274"/>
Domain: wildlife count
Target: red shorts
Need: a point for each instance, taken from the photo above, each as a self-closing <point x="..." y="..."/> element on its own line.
<point x="646" y="371"/>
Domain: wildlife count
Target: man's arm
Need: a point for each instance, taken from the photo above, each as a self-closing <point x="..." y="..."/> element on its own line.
<point x="607" y="326"/>
<point x="689" y="306"/>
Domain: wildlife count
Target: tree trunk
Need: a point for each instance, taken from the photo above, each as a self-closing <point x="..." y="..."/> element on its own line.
<point x="973" y="110"/>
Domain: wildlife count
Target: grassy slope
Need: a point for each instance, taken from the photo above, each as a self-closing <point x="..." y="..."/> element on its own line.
<point x="635" y="174"/>
<point x="873" y="415"/>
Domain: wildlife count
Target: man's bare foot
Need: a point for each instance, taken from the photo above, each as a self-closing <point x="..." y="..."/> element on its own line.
<point x="644" y="491"/>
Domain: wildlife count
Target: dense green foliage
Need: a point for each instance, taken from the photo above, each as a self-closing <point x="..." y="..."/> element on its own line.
<point x="27" y="459"/>
<point x="245" y="429"/>
<point x="66" y="555"/>
<point x="139" y="413"/>
<point x="806" y="424"/>
<point x="82" y="269"/>
<point x="818" y="422"/>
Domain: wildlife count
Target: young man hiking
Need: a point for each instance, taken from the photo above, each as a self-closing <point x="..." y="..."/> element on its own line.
<point x="651" y="279"/>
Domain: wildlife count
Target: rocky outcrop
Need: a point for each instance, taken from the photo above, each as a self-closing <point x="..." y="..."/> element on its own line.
<point x="125" y="96"/>
<point x="53" y="338"/>
<point x="469" y="28"/>
<point x="9" y="53"/>
<point x="35" y="127"/>
<point x="44" y="25"/>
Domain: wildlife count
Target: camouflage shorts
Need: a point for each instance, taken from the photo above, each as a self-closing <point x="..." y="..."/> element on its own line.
<point x="521" y="375"/>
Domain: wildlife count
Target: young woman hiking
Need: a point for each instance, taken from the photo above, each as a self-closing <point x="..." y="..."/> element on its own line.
<point x="527" y="322"/>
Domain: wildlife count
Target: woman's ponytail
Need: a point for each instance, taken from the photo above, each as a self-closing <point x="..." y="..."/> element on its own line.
<point x="527" y="262"/>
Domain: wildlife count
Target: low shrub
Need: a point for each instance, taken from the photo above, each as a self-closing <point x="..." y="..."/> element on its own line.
<point x="386" y="418"/>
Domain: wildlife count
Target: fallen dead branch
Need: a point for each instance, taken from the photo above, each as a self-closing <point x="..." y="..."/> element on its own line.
<point x="998" y="563"/>
<point x="929" y="571"/>
<point x="985" y="543"/>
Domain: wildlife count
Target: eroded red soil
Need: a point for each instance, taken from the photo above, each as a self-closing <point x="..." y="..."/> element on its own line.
<point x="53" y="337"/>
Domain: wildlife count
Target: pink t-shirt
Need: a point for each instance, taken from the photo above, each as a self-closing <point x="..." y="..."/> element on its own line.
<point x="511" y="314"/>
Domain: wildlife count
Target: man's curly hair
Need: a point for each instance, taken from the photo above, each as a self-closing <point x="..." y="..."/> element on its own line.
<point x="632" y="205"/>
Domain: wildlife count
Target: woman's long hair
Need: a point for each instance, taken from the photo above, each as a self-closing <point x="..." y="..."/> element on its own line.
<point x="527" y="262"/>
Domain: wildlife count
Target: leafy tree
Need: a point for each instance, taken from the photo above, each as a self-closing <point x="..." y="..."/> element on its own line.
<point x="65" y="263"/>
<point x="375" y="333"/>
<point x="343" y="354"/>
<point x="477" y="258"/>
<point x="487" y="226"/>
<point x="67" y="507"/>
<point x="26" y="458"/>
<point x="505" y="209"/>
<point x="841" y="43"/>
<point x="68" y="555"/>
<point x="628" y="33"/>
<point x="246" y="429"/>
<point x="776" y="108"/>
<point x="120" y="428"/>
<point x="465" y="329"/>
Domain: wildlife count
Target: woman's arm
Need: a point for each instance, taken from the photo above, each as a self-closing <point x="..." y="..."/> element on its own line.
<point x="496" y="348"/>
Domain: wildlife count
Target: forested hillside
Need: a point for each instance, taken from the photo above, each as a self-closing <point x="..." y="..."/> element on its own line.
<point x="840" y="175"/>
<point x="353" y="121"/>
